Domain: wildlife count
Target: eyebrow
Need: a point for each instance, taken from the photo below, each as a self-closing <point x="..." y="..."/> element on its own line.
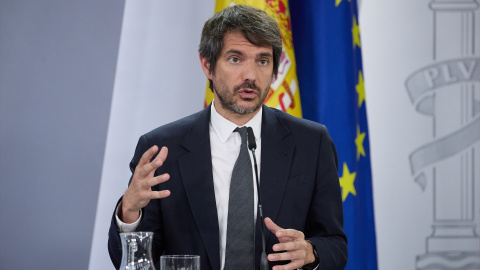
<point x="267" y="54"/>
<point x="264" y="54"/>
<point x="234" y="52"/>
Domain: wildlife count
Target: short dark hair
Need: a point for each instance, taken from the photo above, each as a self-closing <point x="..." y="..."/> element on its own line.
<point x="255" y="25"/>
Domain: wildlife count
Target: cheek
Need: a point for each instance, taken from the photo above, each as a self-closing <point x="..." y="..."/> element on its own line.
<point x="231" y="78"/>
<point x="221" y="83"/>
<point x="266" y="80"/>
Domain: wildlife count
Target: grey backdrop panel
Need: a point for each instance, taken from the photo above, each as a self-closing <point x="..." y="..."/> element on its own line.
<point x="57" y="68"/>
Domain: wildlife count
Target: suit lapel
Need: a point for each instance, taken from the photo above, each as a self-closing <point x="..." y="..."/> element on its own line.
<point x="277" y="154"/>
<point x="196" y="171"/>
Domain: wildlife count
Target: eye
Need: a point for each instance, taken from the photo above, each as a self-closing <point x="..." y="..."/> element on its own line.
<point x="234" y="60"/>
<point x="263" y="62"/>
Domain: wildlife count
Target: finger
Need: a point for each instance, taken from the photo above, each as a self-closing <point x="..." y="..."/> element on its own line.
<point x="158" y="161"/>
<point x="150" y="167"/>
<point x="147" y="156"/>
<point x="292" y="256"/>
<point x="296" y="264"/>
<point x="290" y="233"/>
<point x="157" y="180"/>
<point x="163" y="154"/>
<point x="274" y="228"/>
<point x="290" y="246"/>
<point x="159" y="194"/>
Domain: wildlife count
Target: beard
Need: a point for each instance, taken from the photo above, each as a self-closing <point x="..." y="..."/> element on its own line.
<point x="228" y="101"/>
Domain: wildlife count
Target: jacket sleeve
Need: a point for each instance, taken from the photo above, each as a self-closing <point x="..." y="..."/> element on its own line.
<point x="324" y="226"/>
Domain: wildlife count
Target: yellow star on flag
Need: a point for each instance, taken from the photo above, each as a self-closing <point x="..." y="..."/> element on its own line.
<point x="359" y="142"/>
<point x="356" y="32"/>
<point x="346" y="182"/>
<point x="337" y="2"/>
<point x="360" y="87"/>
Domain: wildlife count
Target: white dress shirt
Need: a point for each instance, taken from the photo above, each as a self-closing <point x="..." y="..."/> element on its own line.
<point x="225" y="148"/>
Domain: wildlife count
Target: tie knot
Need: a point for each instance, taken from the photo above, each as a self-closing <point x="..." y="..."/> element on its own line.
<point x="243" y="133"/>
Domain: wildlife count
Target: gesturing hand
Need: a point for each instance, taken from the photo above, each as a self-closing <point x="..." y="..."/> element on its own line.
<point x="139" y="192"/>
<point x="297" y="250"/>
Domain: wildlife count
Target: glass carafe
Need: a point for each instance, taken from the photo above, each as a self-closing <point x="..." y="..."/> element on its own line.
<point x="137" y="251"/>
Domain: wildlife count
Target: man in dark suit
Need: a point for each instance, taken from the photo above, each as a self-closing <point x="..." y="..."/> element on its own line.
<point x="184" y="199"/>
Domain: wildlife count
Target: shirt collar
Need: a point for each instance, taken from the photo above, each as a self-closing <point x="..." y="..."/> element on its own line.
<point x="224" y="127"/>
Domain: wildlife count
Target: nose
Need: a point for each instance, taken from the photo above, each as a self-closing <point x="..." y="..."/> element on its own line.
<point x="249" y="72"/>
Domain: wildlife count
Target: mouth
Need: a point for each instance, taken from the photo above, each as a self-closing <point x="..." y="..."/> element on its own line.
<point x="247" y="90"/>
<point x="247" y="93"/>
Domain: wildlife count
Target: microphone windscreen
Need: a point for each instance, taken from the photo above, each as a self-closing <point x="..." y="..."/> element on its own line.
<point x="252" y="145"/>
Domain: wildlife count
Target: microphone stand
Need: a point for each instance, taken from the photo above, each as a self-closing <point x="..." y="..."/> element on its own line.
<point x="252" y="145"/>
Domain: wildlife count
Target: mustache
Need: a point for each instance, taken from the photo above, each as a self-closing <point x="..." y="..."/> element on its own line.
<point x="247" y="84"/>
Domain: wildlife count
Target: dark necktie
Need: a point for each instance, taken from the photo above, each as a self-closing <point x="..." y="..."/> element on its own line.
<point x="239" y="253"/>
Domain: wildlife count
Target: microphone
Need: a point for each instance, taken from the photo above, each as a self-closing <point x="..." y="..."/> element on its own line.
<point x="252" y="145"/>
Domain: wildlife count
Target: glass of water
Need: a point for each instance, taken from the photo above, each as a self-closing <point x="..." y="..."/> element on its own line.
<point x="180" y="262"/>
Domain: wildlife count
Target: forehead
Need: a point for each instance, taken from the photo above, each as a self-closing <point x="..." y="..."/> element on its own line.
<point x="235" y="41"/>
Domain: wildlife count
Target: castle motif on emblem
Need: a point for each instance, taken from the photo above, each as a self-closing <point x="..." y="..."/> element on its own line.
<point x="448" y="91"/>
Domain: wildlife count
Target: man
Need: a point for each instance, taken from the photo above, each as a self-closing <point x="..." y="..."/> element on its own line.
<point x="183" y="193"/>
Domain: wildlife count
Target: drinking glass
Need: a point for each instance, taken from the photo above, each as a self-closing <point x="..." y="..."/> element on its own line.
<point x="180" y="262"/>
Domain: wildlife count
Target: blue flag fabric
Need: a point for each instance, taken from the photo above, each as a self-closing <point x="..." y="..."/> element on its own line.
<point x="327" y="46"/>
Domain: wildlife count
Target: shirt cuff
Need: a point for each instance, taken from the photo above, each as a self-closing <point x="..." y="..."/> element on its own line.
<point x="126" y="227"/>
<point x="316" y="267"/>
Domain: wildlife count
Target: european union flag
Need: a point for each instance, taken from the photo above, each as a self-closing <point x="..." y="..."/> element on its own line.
<point x="327" y="45"/>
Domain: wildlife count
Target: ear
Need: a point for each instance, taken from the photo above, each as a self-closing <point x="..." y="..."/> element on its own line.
<point x="205" y="67"/>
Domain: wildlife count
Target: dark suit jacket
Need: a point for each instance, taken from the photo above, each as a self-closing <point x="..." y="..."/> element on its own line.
<point x="299" y="188"/>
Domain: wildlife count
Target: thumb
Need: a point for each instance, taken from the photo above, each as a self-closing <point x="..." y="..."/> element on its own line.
<point x="274" y="228"/>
